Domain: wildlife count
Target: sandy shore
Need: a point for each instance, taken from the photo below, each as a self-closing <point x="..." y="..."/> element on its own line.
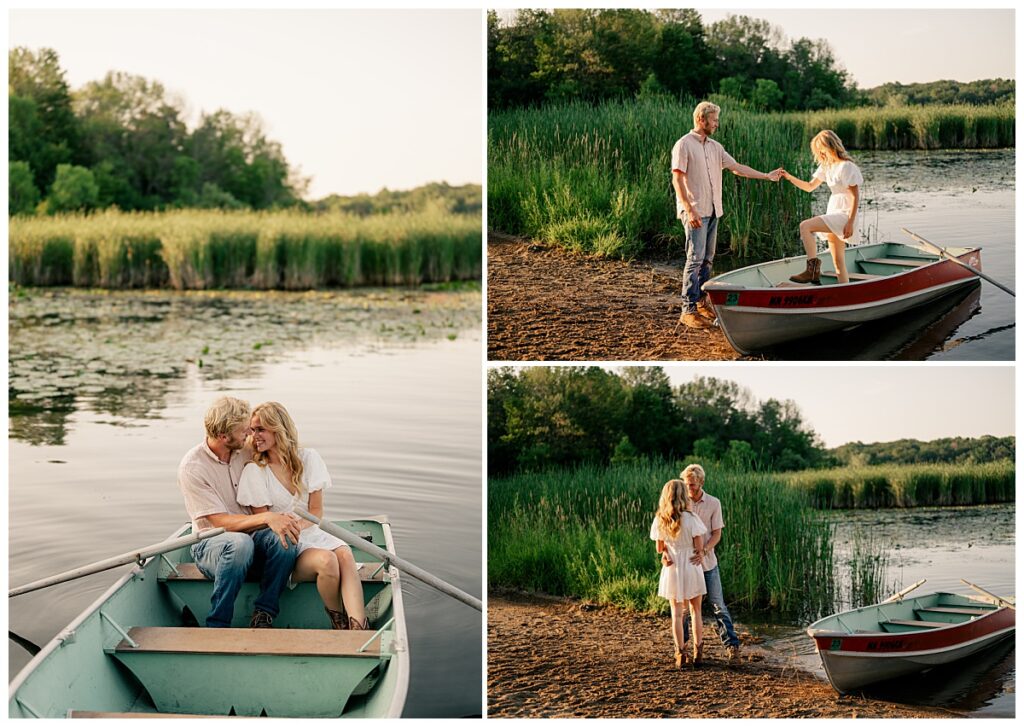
<point x="560" y="658"/>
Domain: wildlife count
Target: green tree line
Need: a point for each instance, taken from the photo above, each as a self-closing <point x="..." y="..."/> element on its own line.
<point x="948" y="450"/>
<point x="540" y="417"/>
<point x="122" y="141"/>
<point x="541" y="56"/>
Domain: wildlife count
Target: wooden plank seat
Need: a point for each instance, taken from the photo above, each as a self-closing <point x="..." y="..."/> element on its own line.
<point x="964" y="610"/>
<point x="191" y="572"/>
<point x="913" y="623"/>
<point x="280" y="672"/>
<point x="901" y="261"/>
<point x="86" y="714"/>
<point x="853" y="276"/>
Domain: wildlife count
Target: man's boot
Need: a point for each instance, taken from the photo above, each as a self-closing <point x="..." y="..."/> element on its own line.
<point x="705" y="308"/>
<point x="693" y="319"/>
<point x="811" y="275"/>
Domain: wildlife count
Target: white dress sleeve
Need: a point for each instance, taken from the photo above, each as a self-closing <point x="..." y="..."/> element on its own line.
<point x="655" y="530"/>
<point x="851" y="176"/>
<point x="252" y="487"/>
<point x="314" y="471"/>
<point x="697" y="527"/>
<point x="819" y="173"/>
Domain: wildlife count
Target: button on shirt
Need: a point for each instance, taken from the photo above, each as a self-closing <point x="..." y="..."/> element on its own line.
<point x="210" y="486"/>
<point x="702" y="160"/>
<point x="709" y="510"/>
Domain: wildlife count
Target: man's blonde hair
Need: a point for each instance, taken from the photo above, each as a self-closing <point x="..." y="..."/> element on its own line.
<point x="694" y="469"/>
<point x="225" y="415"/>
<point x="704" y="108"/>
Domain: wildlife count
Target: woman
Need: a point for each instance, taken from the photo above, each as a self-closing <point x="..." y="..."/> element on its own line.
<point x="836" y="168"/>
<point x="679" y="535"/>
<point x="282" y="476"/>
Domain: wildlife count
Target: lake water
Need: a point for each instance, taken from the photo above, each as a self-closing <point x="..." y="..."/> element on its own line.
<point x="108" y="393"/>
<point x="951" y="198"/>
<point x="942" y="545"/>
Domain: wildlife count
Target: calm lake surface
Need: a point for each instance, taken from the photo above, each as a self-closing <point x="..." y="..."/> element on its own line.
<point x="951" y="198"/>
<point x="107" y="393"/>
<point x="942" y="545"/>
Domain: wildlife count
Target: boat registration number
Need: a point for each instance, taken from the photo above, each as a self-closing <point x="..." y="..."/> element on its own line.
<point x="836" y="645"/>
<point x="791" y="300"/>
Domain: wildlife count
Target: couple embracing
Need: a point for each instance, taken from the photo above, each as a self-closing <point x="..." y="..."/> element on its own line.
<point x="247" y="476"/>
<point x="697" y="164"/>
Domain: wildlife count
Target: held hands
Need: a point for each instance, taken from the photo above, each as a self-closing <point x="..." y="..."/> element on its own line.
<point x="285" y="525"/>
<point x="776" y="174"/>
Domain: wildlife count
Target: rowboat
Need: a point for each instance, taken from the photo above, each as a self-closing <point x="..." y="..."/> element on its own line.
<point x="897" y="638"/>
<point x="138" y="650"/>
<point x="758" y="307"/>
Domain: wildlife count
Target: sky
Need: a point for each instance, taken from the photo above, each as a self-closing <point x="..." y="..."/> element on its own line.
<point x="359" y="99"/>
<point x="880" y="403"/>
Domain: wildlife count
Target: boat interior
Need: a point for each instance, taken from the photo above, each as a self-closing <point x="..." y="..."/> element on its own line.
<point x="923" y="613"/>
<point x="147" y="653"/>
<point x="863" y="263"/>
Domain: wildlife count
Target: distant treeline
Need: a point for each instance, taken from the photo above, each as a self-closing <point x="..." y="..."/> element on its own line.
<point x="545" y="417"/>
<point x="951" y="450"/>
<point x="467" y="199"/>
<point x="541" y="56"/>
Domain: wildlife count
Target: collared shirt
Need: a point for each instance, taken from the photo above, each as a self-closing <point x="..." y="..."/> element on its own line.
<point x="210" y="486"/>
<point x="709" y="510"/>
<point x="702" y="159"/>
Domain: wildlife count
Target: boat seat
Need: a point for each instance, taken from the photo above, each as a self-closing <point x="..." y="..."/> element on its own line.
<point x="251" y="671"/>
<point x="963" y="610"/>
<point x="370" y="572"/>
<point x="85" y="714"/>
<point x="853" y="276"/>
<point x="912" y="623"/>
<point x="902" y="262"/>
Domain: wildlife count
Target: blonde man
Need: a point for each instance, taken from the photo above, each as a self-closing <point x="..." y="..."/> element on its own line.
<point x="208" y="477"/>
<point x="709" y="510"/>
<point x="697" y="164"/>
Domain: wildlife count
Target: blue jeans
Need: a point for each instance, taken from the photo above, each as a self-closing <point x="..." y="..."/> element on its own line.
<point x="723" y="621"/>
<point x="700" y="252"/>
<point x="227" y="558"/>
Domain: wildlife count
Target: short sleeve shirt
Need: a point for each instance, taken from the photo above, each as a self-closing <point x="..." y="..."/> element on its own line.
<point x="709" y="510"/>
<point x="210" y="486"/>
<point x="702" y="159"/>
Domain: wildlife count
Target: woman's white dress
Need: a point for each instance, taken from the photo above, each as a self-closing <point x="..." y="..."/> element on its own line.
<point x="682" y="580"/>
<point x="258" y="487"/>
<point x="839" y="178"/>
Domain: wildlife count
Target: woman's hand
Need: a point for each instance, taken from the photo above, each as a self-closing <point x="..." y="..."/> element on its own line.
<point x="666" y="560"/>
<point x="848" y="229"/>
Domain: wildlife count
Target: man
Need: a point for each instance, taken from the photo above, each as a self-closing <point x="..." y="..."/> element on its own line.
<point x="709" y="510"/>
<point x="697" y="164"/>
<point x="208" y="477"/>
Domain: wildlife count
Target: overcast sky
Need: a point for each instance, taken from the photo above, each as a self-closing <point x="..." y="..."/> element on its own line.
<point x="359" y="99"/>
<point x="880" y="403"/>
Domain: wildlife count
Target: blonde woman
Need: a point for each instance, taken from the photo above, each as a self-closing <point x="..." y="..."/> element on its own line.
<point x="282" y="476"/>
<point x="678" y="535"/>
<point x="835" y="168"/>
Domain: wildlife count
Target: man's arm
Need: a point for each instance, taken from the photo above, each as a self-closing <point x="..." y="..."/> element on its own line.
<point x="284" y="524"/>
<point x="742" y="170"/>
<point x="713" y="540"/>
<point x="679" y="183"/>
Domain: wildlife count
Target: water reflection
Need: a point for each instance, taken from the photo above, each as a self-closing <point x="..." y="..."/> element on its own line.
<point x="124" y="353"/>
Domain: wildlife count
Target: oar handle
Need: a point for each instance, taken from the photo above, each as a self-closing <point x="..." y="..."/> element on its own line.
<point x="999" y="599"/>
<point x="942" y="252"/>
<point x="406" y="567"/>
<point x="135" y="556"/>
<point x="899" y="596"/>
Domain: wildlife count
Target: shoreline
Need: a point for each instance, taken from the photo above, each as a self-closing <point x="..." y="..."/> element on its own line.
<point x="555" y="657"/>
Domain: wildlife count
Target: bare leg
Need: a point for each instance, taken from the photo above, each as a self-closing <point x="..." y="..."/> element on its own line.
<point x="316" y="564"/>
<point x="807" y="230"/>
<point x="678" y="614"/>
<point x="351" y="586"/>
<point x="696" y="620"/>
<point x="838" y="249"/>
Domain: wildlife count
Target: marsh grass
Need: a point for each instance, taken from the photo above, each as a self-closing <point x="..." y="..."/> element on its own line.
<point x="197" y="250"/>
<point x="911" y="485"/>
<point x="584" y="532"/>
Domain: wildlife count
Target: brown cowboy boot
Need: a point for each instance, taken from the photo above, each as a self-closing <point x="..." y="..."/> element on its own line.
<point x="363" y="625"/>
<point x="705" y="308"/>
<point x="811" y="275"/>
<point x="338" y="620"/>
<point x="692" y="319"/>
<point x="698" y="652"/>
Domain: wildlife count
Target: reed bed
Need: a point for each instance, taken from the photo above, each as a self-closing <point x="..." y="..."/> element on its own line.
<point x="584" y="532"/>
<point x="958" y="126"/>
<point x="597" y="179"/>
<point x="196" y="250"/>
<point x="911" y="485"/>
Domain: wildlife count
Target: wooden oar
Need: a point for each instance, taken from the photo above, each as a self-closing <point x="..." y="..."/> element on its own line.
<point x="942" y="252"/>
<point x="899" y="596"/>
<point x="406" y="567"/>
<point x="999" y="599"/>
<point x="135" y="556"/>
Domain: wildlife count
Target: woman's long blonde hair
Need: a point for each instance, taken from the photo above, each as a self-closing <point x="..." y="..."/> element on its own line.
<point x="674" y="501"/>
<point x="827" y="144"/>
<point x="275" y="417"/>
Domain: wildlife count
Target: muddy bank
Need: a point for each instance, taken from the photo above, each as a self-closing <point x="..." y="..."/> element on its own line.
<point x="546" y="304"/>
<point x="560" y="658"/>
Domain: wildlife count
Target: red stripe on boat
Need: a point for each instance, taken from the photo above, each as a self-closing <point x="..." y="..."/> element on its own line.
<point x="926" y="640"/>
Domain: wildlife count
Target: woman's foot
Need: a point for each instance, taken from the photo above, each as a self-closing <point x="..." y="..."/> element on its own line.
<point x="355" y="625"/>
<point x="698" y="652"/>
<point x="811" y="275"/>
<point x="339" y="622"/>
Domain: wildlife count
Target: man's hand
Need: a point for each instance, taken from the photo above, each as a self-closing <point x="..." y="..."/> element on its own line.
<point x="285" y="525"/>
<point x="693" y="219"/>
<point x="776" y="174"/>
<point x="697" y="558"/>
<point x="666" y="560"/>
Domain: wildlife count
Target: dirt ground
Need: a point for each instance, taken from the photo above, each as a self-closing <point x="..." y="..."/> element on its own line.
<point x="546" y="304"/>
<point x="558" y="658"/>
